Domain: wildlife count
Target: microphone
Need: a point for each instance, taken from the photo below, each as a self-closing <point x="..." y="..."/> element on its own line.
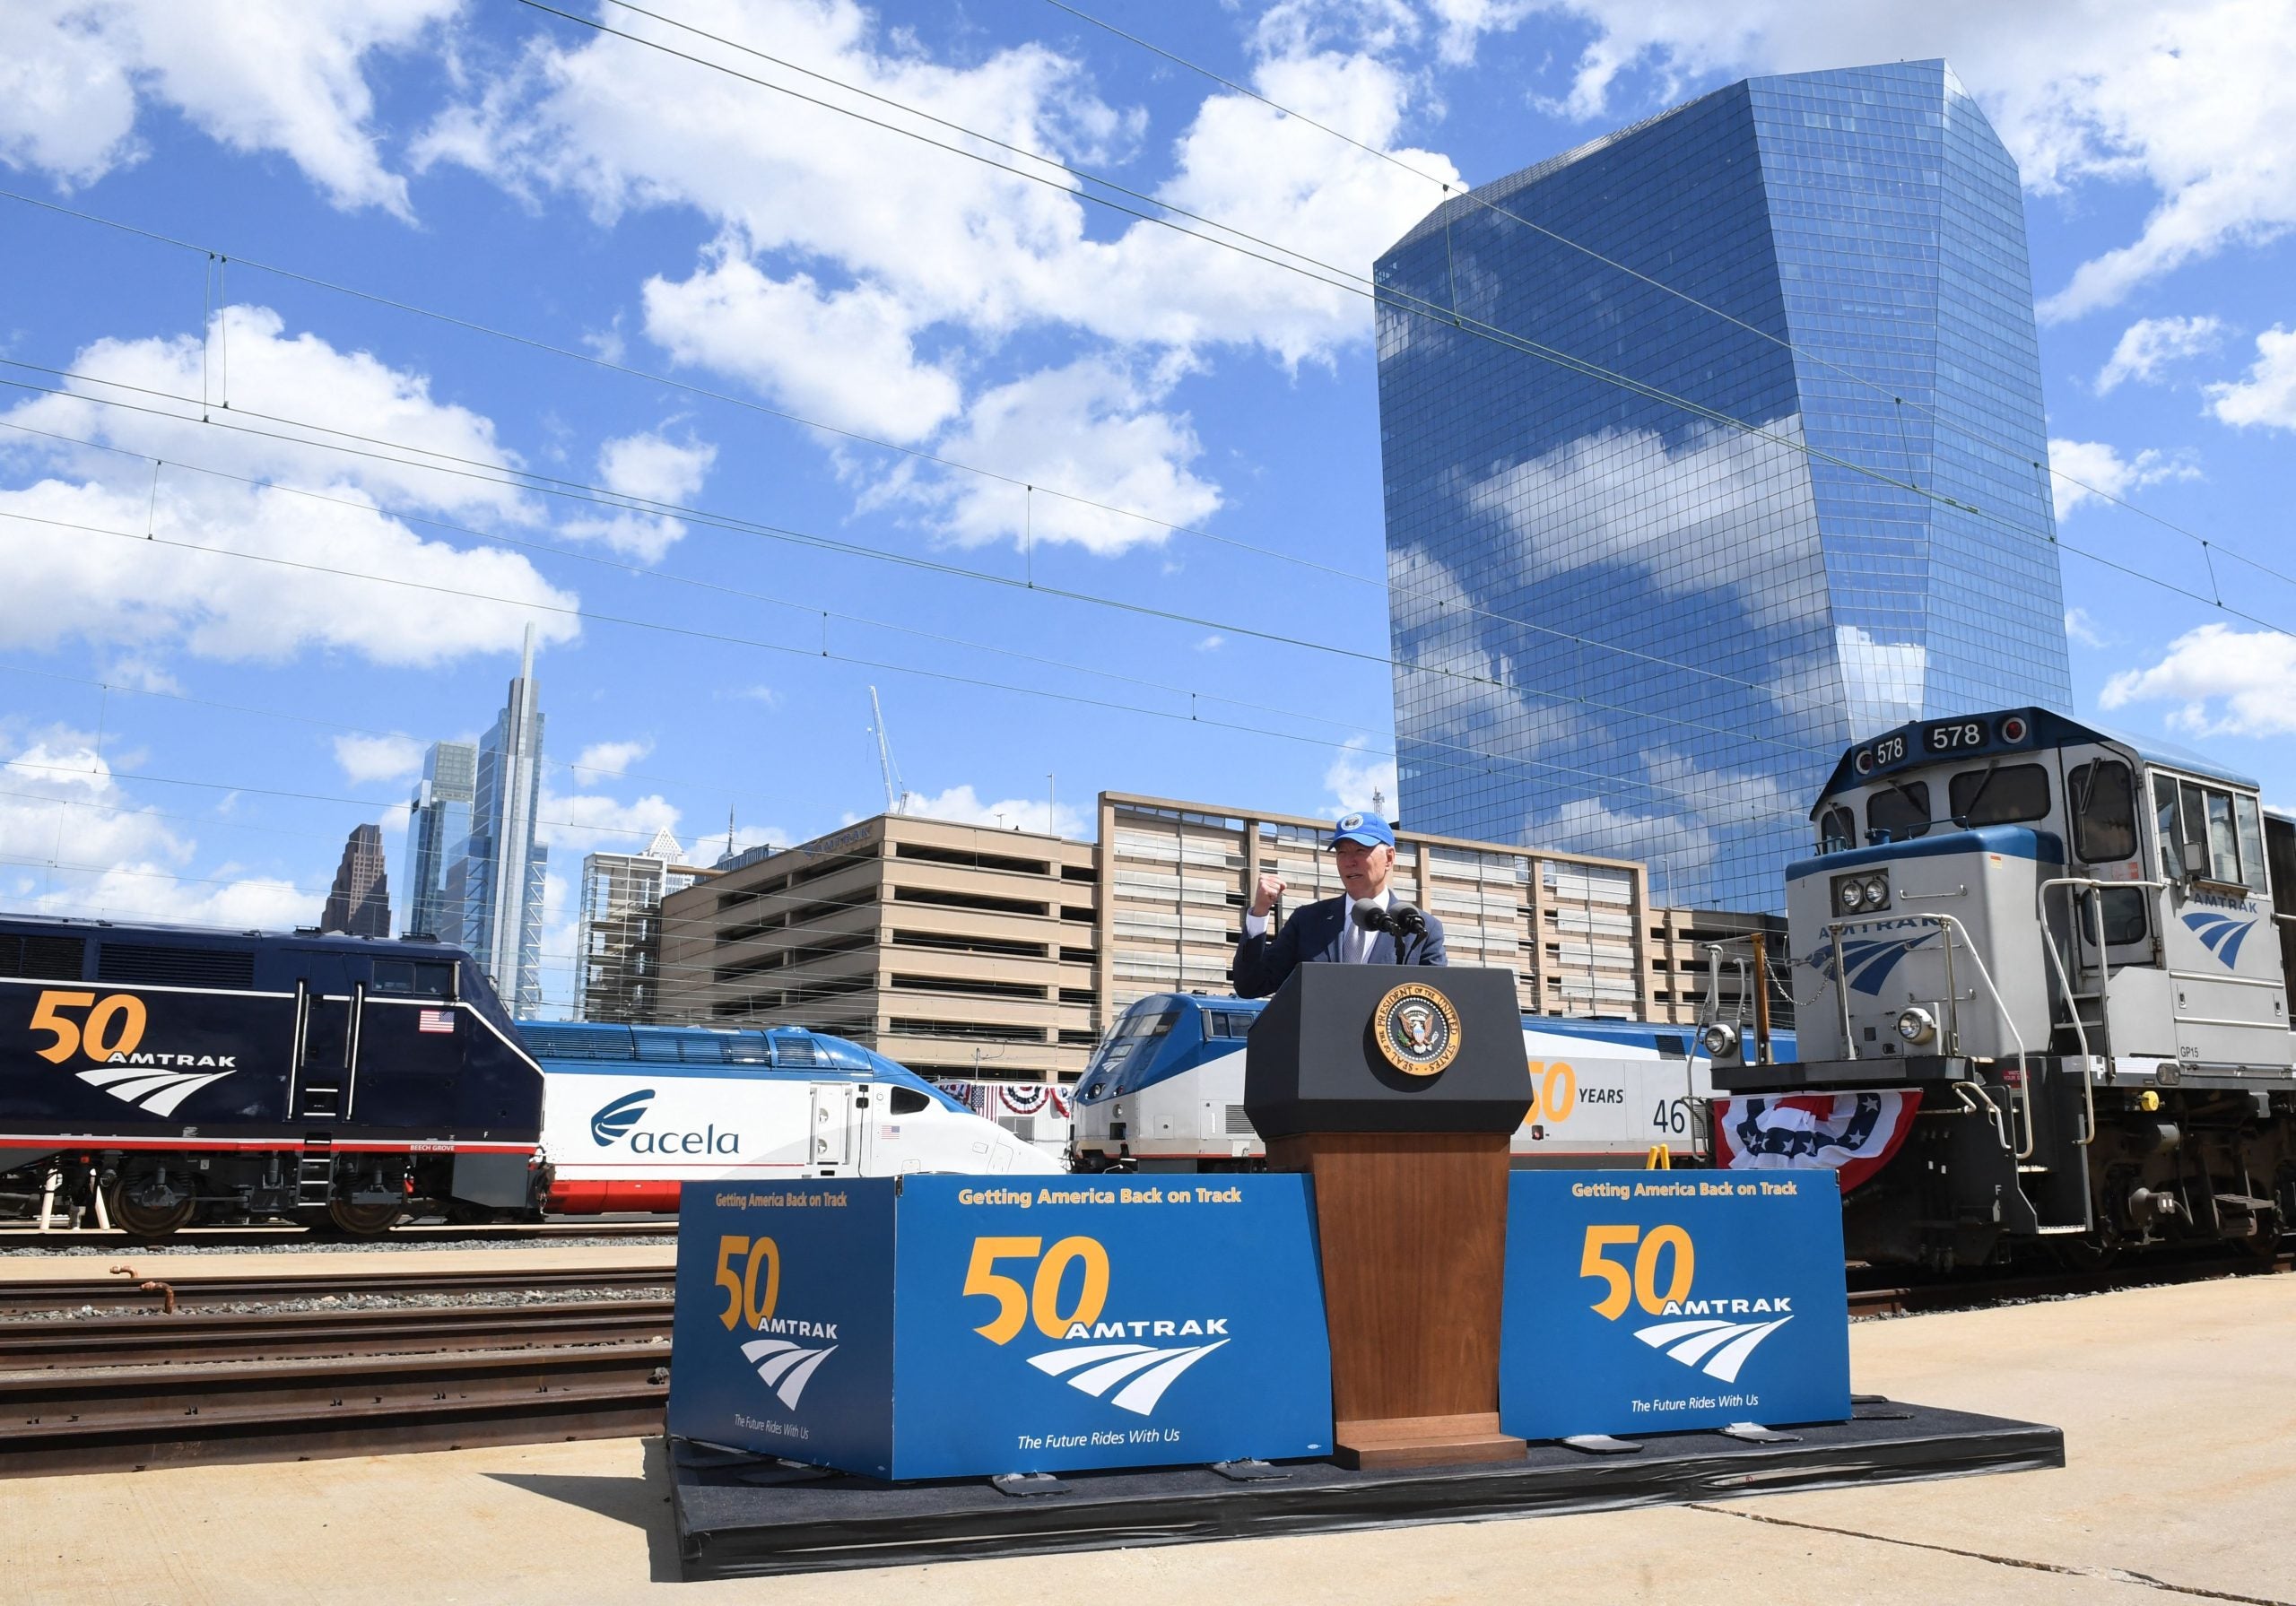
<point x="1371" y="918"/>
<point x="1407" y="921"/>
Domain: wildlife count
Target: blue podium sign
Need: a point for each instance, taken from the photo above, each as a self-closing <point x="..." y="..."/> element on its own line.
<point x="1659" y="1302"/>
<point x="957" y="1326"/>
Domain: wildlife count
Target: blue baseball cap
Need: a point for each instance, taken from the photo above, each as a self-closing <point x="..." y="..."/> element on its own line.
<point x="1368" y="830"/>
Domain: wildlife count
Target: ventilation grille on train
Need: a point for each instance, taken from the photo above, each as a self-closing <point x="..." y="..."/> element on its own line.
<point x="175" y="966"/>
<point x="43" y="959"/>
<point x="1239" y="1125"/>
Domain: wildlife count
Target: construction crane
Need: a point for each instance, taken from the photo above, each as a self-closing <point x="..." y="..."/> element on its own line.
<point x="896" y="793"/>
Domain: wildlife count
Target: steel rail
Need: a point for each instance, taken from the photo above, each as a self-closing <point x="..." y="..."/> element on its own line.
<point x="56" y="1343"/>
<point x="191" y="1291"/>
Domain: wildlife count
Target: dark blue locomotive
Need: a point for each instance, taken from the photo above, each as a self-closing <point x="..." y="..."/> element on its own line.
<point x="155" y="1076"/>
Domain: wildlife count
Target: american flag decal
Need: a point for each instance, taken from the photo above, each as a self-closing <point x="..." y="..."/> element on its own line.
<point x="435" y="1020"/>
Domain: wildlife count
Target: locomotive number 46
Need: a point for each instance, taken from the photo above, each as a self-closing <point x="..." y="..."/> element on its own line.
<point x="114" y="1024"/>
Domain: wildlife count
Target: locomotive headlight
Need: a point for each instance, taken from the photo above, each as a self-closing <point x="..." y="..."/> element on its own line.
<point x="1720" y="1040"/>
<point x="1917" y="1026"/>
<point x="1878" y="892"/>
<point x="1853" y="896"/>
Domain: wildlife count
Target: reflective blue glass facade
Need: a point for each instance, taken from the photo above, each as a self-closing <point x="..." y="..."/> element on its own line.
<point x="1653" y="564"/>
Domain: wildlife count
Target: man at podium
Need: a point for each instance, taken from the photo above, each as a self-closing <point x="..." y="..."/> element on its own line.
<point x="1366" y="924"/>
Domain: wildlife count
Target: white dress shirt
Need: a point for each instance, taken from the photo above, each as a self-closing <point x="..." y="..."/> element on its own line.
<point x="1354" y="942"/>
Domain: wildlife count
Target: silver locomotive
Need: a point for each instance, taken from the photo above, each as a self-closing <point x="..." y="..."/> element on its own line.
<point x="2065" y="954"/>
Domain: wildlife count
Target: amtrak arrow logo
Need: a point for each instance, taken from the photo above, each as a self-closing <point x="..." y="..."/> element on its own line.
<point x="1868" y="959"/>
<point x="2221" y="934"/>
<point x="1151" y="1370"/>
<point x="785" y="1367"/>
<point x="1717" y="1349"/>
<point x="156" y="1091"/>
<point x="617" y="1118"/>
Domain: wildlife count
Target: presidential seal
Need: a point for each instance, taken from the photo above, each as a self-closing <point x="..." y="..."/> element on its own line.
<point x="1417" y="1028"/>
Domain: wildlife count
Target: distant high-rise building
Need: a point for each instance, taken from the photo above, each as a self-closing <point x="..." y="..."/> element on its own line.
<point x="618" y="970"/>
<point x="498" y="881"/>
<point x="1710" y="448"/>
<point x="360" y="903"/>
<point x="438" y="831"/>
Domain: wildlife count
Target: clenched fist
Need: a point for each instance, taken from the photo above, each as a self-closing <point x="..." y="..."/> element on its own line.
<point x="1270" y="887"/>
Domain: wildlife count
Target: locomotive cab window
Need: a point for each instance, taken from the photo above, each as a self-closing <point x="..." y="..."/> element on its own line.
<point x="909" y="1101"/>
<point x="2104" y="811"/>
<point x="1902" y="810"/>
<point x="407" y="979"/>
<point x="2001" y="794"/>
<point x="2218" y="834"/>
<point x="1837" y="831"/>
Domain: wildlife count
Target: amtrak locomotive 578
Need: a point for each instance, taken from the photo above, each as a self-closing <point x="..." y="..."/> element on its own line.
<point x="153" y="1076"/>
<point x="2041" y="973"/>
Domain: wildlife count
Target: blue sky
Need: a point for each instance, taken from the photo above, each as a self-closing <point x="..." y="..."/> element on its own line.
<point x="340" y="560"/>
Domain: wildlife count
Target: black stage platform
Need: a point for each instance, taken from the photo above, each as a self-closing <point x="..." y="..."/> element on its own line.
<point x="743" y="1517"/>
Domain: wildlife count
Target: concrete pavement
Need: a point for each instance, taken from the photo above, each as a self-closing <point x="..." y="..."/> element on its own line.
<point x="2179" y="1406"/>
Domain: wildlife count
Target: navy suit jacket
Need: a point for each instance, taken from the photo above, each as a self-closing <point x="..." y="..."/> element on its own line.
<point x="1312" y="936"/>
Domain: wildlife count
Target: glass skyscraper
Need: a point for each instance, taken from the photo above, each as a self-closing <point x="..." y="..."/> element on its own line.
<point x="1712" y="446"/>
<point x="438" y="833"/>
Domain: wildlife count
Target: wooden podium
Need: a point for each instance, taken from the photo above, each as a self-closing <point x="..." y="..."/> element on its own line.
<point x="1397" y="1088"/>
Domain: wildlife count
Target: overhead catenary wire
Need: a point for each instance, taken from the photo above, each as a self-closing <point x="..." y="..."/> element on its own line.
<point x="1192" y="716"/>
<point x="577" y="490"/>
<point x="1317" y="270"/>
<point x="939" y="460"/>
<point x="1468" y="194"/>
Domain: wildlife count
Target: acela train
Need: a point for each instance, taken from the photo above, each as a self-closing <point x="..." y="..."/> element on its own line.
<point x="2041" y="977"/>
<point x="633" y="1111"/>
<point x="1165" y="1091"/>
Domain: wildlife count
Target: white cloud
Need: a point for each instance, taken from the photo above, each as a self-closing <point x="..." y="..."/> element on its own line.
<point x="1212" y="643"/>
<point x="1885" y="680"/>
<point x="1359" y="780"/>
<point x="2191" y="98"/>
<point x="862" y="279"/>
<point x="78" y="844"/>
<point x="848" y="357"/>
<point x="1719" y="510"/>
<point x="2081" y="627"/>
<point x="2225" y="682"/>
<point x="647" y="467"/>
<point x="1091" y="429"/>
<point x="962" y="805"/>
<point x="2148" y="344"/>
<point x="365" y="758"/>
<point x="72" y="582"/>
<point x="285" y="75"/>
<point x="2268" y="395"/>
<point x="611" y="758"/>
<point x="2086" y="471"/>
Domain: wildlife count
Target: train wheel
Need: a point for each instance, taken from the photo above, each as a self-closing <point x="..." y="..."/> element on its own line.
<point x="2086" y="1254"/>
<point x="146" y="1203"/>
<point x="361" y="1221"/>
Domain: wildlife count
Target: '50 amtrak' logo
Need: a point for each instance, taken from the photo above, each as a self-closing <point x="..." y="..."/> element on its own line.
<point x="1706" y="1335"/>
<point x="1129" y="1375"/>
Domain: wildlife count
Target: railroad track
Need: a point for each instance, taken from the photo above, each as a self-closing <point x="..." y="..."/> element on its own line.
<point x="394" y="1276"/>
<point x="209" y="1387"/>
<point x="1968" y="1292"/>
<point x="296" y="1238"/>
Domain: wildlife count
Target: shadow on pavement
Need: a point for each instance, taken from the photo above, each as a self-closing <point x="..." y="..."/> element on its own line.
<point x="642" y="1502"/>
